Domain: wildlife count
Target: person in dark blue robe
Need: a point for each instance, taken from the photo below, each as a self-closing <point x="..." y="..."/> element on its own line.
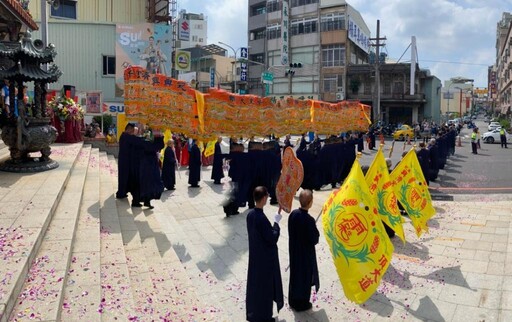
<point x="302" y="144"/>
<point x="124" y="161"/>
<point x="239" y="167"/>
<point x="136" y="152"/>
<point x="264" y="284"/>
<point x="360" y="142"/>
<point x="169" y="166"/>
<point x="218" y="157"/>
<point x="424" y="160"/>
<point x="434" y="159"/>
<point x="303" y="236"/>
<point x="308" y="163"/>
<point x="350" y="157"/>
<point x="194" y="165"/>
<point x="256" y="175"/>
<point x="371" y="138"/>
<point x="272" y="159"/>
<point x="151" y="185"/>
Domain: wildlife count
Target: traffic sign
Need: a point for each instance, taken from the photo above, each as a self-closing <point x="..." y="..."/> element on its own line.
<point x="267" y="77"/>
<point x="244" y="53"/>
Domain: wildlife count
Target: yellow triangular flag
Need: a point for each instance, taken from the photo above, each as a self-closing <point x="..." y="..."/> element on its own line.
<point x="210" y="148"/>
<point x="359" y="245"/>
<point x="167" y="137"/>
<point x="381" y="188"/>
<point x="412" y="191"/>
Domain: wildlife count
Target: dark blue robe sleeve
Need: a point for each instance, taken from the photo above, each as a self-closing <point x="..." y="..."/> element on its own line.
<point x="269" y="234"/>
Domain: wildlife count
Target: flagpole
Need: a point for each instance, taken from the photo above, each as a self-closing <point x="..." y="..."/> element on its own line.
<point x="391" y="150"/>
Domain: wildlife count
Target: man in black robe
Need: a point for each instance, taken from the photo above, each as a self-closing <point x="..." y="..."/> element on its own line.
<point x="151" y="186"/>
<point x="169" y="166"/>
<point x="424" y="160"/>
<point x="434" y="160"/>
<point x="264" y="284"/>
<point x="124" y="160"/>
<point x="303" y="236"/>
<point x="194" y="166"/>
<point x="217" y="171"/>
<point x="132" y="153"/>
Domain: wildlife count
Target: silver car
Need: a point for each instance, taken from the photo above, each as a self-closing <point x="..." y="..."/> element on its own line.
<point x="494" y="136"/>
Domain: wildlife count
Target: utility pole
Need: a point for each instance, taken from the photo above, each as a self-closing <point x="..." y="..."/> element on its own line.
<point x="377" y="45"/>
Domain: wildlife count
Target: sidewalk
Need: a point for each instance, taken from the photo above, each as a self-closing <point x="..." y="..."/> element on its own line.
<point x="456" y="272"/>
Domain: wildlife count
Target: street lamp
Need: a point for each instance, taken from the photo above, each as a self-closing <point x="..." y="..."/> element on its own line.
<point x="460" y="101"/>
<point x="233" y="65"/>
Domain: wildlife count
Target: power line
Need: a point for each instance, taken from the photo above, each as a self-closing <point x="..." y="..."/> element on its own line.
<point x="453" y="62"/>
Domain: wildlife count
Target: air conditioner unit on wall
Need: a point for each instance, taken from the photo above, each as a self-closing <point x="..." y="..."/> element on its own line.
<point x="340" y="96"/>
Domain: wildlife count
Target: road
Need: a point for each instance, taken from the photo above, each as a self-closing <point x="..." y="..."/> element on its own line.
<point x="488" y="172"/>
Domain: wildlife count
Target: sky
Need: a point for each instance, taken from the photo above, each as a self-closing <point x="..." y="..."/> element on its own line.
<point x="454" y="38"/>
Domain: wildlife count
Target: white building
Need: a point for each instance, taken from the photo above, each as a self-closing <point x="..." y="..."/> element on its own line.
<point x="320" y="38"/>
<point x="196" y="35"/>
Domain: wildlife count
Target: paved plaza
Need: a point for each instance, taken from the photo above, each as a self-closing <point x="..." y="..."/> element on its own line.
<point x="90" y="257"/>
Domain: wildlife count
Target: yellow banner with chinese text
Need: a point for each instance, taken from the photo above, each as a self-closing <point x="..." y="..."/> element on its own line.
<point x="359" y="245"/>
<point x="381" y="188"/>
<point x="412" y="191"/>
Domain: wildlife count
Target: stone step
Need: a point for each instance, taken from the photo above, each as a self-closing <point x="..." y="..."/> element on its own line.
<point x="82" y="292"/>
<point x="41" y="295"/>
<point x="28" y="203"/>
<point x="204" y="246"/>
<point x="117" y="294"/>
<point x="164" y="289"/>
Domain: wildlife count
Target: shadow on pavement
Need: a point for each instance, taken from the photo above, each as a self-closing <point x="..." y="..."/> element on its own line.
<point x="448" y="275"/>
<point x="227" y="254"/>
<point x="398" y="278"/>
<point x="194" y="192"/>
<point x="181" y="252"/>
<point x="426" y="310"/>
<point x="414" y="250"/>
<point x="319" y="315"/>
<point x="379" y="304"/>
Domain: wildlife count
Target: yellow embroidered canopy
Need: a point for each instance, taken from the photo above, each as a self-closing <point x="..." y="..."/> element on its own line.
<point x="167" y="103"/>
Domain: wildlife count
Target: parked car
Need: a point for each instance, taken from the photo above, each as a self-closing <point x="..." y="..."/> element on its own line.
<point x="493" y="126"/>
<point x="494" y="136"/>
<point x="401" y="133"/>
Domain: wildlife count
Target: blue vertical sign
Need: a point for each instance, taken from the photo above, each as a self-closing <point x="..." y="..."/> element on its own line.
<point x="212" y="76"/>
<point x="244" y="54"/>
<point x="243" y="72"/>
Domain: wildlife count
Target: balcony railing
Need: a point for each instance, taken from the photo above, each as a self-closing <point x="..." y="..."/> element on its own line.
<point x="385" y="97"/>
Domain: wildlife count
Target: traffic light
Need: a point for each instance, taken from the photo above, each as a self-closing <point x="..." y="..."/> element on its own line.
<point x="291" y="71"/>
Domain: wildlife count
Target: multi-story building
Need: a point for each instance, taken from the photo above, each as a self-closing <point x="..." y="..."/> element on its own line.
<point x="457" y="98"/>
<point x="397" y="104"/>
<point x="210" y="68"/>
<point x="503" y="65"/>
<point x="306" y="45"/>
<point x="197" y="27"/>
